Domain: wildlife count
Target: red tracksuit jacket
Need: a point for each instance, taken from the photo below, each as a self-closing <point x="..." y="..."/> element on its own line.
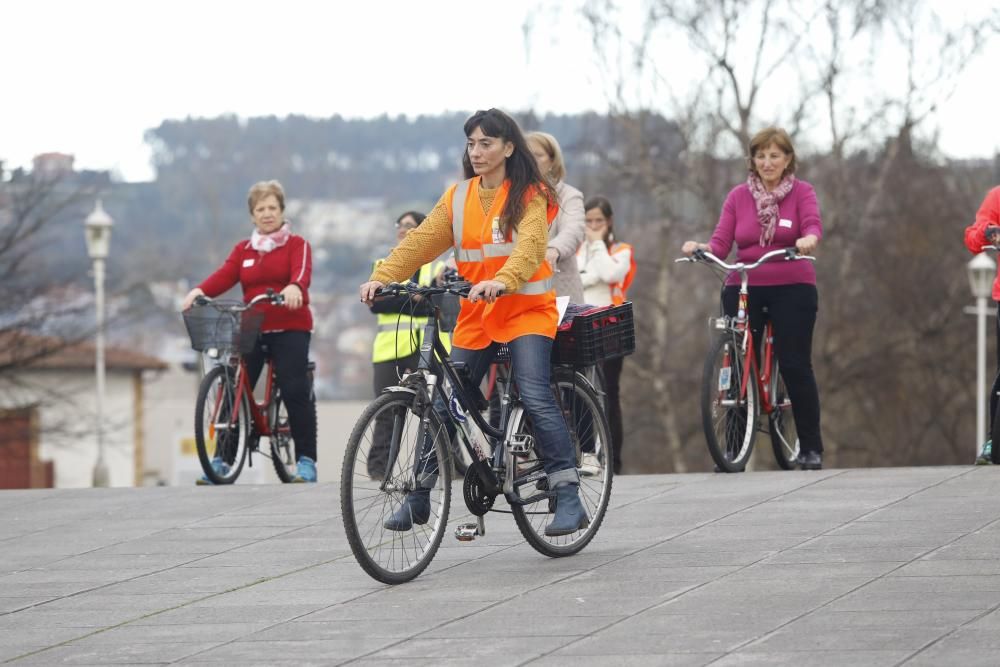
<point x="975" y="234"/>
<point x="256" y="272"/>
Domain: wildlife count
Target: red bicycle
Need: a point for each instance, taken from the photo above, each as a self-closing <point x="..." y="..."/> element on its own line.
<point x="228" y="420"/>
<point x="737" y="384"/>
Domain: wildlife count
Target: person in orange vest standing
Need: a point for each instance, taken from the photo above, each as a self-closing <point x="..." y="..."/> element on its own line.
<point x="497" y="222"/>
<point x="607" y="267"/>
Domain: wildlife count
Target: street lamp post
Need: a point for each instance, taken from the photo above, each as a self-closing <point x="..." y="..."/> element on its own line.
<point x="98" y="228"/>
<point x="982" y="270"/>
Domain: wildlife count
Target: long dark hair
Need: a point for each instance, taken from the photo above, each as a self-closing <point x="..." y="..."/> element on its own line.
<point x="604" y="205"/>
<point x="521" y="168"/>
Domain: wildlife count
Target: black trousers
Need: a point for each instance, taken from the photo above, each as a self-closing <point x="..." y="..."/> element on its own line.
<point x="386" y="374"/>
<point x="613" y="406"/>
<point x="996" y="380"/>
<point x="289" y="350"/>
<point x="792" y="310"/>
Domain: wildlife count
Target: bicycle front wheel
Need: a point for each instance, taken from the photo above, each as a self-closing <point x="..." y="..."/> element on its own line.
<point x="591" y="435"/>
<point x="728" y="415"/>
<point x="784" y="438"/>
<point x="389" y="455"/>
<point x="221" y="428"/>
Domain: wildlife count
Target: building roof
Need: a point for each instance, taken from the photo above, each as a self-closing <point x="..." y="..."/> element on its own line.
<point x="21" y="349"/>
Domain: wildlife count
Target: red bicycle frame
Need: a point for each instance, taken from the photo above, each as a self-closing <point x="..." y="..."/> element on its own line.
<point x="258" y="410"/>
<point x="749" y="351"/>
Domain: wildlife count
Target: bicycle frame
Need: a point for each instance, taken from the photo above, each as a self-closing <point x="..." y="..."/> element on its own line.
<point x="762" y="373"/>
<point x="435" y="363"/>
<point x="258" y="414"/>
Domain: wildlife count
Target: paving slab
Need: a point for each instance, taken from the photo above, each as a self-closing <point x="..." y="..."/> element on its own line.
<point x="837" y="567"/>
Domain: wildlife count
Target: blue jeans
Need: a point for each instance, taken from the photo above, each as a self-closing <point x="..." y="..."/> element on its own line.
<point x="530" y="361"/>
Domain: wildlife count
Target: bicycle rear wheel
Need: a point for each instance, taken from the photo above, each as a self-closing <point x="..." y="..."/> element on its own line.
<point x="370" y="494"/>
<point x="784" y="437"/>
<point x="729" y="419"/>
<point x="221" y="428"/>
<point x="283" y="455"/>
<point x="589" y="431"/>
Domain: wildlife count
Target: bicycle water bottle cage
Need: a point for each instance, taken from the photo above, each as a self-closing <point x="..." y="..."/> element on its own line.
<point x="479" y="401"/>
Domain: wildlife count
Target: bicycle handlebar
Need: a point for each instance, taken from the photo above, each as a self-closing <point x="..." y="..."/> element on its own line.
<point x="228" y="306"/>
<point x="789" y="254"/>
<point x="459" y="288"/>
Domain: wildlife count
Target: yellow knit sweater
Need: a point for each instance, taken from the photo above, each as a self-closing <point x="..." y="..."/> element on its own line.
<point x="434" y="237"/>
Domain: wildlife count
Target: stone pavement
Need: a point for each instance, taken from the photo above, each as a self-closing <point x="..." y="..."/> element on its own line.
<point x="839" y="567"/>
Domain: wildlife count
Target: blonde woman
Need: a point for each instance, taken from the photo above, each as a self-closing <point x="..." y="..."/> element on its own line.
<point x="275" y="258"/>
<point x="566" y="231"/>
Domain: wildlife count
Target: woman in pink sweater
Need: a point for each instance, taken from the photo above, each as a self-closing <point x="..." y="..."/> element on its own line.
<point x="773" y="210"/>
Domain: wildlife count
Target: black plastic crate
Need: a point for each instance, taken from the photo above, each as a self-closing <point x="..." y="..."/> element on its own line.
<point x="596" y="337"/>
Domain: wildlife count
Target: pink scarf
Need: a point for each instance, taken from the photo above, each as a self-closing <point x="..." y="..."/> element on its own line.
<point x="767" y="203"/>
<point x="265" y="243"/>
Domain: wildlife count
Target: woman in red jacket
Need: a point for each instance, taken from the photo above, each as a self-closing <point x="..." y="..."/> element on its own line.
<point x="977" y="235"/>
<point x="274" y="258"/>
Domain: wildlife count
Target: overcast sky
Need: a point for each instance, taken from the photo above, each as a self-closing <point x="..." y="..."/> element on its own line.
<point x="88" y="78"/>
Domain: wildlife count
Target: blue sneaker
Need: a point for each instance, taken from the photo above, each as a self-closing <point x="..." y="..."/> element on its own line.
<point x="221" y="469"/>
<point x="305" y="471"/>
<point x="985" y="456"/>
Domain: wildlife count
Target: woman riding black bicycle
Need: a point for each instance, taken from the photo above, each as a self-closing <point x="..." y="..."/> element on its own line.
<point x="275" y="259"/>
<point x="497" y="221"/>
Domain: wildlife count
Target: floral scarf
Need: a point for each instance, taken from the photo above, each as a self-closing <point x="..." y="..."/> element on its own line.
<point x="767" y="203"/>
<point x="265" y="243"/>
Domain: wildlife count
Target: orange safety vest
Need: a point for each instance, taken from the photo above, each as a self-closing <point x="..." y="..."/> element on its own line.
<point x="480" y="252"/>
<point x="618" y="290"/>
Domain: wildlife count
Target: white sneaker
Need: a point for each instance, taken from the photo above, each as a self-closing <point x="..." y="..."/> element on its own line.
<point x="590" y="465"/>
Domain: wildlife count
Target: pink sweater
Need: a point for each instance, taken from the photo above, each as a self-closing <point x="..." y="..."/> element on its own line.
<point x="798" y="217"/>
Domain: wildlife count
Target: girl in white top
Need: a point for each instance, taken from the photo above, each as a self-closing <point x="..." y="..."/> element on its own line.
<point x="604" y="265"/>
<point x="600" y="268"/>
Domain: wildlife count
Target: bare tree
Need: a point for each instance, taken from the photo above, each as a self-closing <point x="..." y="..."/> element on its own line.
<point x="855" y="82"/>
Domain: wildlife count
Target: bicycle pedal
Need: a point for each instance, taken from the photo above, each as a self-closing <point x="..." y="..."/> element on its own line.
<point x="521" y="444"/>
<point x="466" y="532"/>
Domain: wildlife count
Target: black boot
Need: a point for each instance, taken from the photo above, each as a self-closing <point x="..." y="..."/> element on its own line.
<point x="811" y="460"/>
<point x="570" y="515"/>
<point x="416" y="509"/>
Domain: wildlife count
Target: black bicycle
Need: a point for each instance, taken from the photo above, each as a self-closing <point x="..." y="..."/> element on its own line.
<point x="505" y="461"/>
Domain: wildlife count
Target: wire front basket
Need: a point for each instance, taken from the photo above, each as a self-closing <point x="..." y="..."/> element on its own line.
<point x="211" y="328"/>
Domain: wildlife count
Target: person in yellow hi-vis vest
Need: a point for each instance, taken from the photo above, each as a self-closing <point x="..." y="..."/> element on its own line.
<point x="396" y="350"/>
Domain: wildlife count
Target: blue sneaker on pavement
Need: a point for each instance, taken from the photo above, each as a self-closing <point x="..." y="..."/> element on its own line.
<point x="985" y="456"/>
<point x="221" y="469"/>
<point x="305" y="471"/>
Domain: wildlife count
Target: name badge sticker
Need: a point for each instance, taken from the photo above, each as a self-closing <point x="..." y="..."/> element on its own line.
<point x="497" y="232"/>
<point x="785" y="222"/>
<point x="247" y="263"/>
